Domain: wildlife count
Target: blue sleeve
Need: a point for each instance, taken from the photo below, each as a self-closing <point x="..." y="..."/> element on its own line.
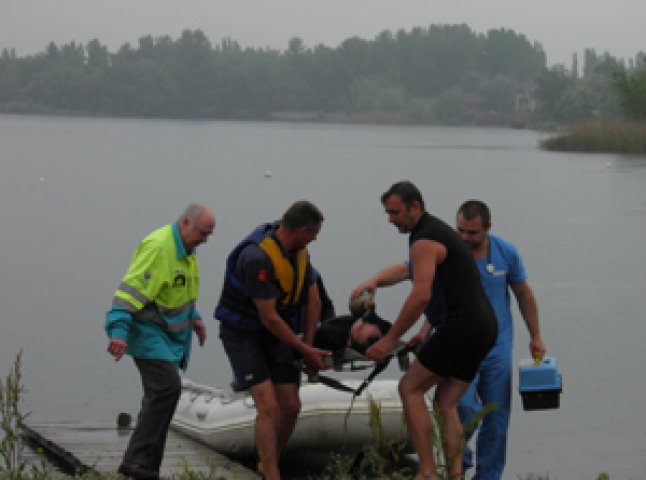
<point x="516" y="273"/>
<point x="257" y="273"/>
<point x="117" y="322"/>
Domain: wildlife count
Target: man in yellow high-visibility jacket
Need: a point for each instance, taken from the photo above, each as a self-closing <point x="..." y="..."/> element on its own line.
<point x="152" y="318"/>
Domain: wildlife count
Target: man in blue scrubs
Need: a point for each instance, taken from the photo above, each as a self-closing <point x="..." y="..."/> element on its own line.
<point x="501" y="269"/>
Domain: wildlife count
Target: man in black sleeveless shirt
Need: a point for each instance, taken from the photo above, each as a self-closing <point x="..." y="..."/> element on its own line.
<point x="441" y="265"/>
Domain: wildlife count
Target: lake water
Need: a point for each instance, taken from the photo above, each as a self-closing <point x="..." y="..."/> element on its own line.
<point x="77" y="195"/>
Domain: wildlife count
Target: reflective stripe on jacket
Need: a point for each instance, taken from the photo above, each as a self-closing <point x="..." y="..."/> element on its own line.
<point x="154" y="306"/>
<point x="236" y="308"/>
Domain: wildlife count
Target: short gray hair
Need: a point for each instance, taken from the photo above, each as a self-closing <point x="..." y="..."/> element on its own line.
<point x="192" y="213"/>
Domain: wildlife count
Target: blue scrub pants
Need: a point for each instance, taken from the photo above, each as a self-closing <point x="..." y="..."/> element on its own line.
<point x="491" y="384"/>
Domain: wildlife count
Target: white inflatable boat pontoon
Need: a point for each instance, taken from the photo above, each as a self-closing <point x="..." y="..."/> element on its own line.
<point x="225" y="420"/>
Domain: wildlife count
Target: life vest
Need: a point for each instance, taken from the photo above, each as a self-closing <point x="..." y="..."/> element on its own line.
<point x="237" y="308"/>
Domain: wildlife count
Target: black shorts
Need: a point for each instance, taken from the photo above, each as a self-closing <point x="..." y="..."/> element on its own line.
<point x="456" y="353"/>
<point x="256" y="356"/>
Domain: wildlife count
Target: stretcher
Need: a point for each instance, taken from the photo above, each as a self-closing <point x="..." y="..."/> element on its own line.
<point x="349" y="360"/>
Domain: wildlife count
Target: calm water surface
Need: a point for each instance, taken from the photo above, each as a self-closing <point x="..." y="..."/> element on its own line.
<point x="77" y="195"/>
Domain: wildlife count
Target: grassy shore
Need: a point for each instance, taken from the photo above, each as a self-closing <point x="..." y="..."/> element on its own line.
<point x="610" y="137"/>
<point x="383" y="460"/>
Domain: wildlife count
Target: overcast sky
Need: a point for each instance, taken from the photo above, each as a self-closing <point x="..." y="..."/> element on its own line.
<point x="561" y="26"/>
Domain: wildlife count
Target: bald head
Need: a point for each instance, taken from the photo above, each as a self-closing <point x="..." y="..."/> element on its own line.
<point x="196" y="224"/>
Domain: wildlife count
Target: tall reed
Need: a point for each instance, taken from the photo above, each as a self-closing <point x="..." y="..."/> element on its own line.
<point x="11" y="419"/>
<point x="609" y="137"/>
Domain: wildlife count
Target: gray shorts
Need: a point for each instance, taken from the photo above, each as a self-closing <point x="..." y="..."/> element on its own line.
<point x="256" y="356"/>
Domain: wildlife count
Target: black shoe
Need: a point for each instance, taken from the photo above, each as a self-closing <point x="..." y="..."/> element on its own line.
<point x="137" y="472"/>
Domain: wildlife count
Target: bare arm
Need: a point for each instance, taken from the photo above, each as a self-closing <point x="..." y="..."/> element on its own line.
<point x="388" y="276"/>
<point x="276" y="325"/>
<point x="423" y="333"/>
<point x="425" y="255"/>
<point x="313" y="316"/>
<point x="529" y="311"/>
<point x="200" y="331"/>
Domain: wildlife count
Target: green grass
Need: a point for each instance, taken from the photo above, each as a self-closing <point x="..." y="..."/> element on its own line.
<point x="610" y="137"/>
<point x="11" y="418"/>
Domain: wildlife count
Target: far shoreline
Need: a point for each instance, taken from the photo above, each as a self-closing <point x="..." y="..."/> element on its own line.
<point x="621" y="137"/>
<point x="322" y="118"/>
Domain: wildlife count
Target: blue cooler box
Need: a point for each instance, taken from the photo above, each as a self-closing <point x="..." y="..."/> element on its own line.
<point x="539" y="384"/>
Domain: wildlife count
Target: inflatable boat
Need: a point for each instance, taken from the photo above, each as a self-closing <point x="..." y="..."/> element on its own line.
<point x="224" y="420"/>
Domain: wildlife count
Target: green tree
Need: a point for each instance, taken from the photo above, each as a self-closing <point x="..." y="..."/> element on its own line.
<point x="552" y="83"/>
<point x="431" y="60"/>
<point x="422" y="71"/>
<point x="97" y="55"/>
<point x="510" y="54"/>
<point x="499" y="93"/>
<point x="608" y="65"/>
<point x="448" y="107"/>
<point x="295" y="46"/>
<point x="604" y="64"/>
<point x="9" y="79"/>
<point x="326" y="79"/>
<point x="632" y="94"/>
<point x="590" y="61"/>
<point x="575" y="103"/>
<point x="374" y="94"/>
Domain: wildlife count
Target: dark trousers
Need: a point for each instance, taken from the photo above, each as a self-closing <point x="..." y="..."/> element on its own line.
<point x="162" y="388"/>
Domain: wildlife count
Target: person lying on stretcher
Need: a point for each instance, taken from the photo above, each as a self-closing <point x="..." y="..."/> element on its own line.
<point x="349" y="336"/>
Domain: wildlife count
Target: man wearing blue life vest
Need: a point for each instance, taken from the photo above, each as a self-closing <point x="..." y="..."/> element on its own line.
<point x="501" y="269"/>
<point x="451" y="355"/>
<point x="152" y="319"/>
<point x="268" y="279"/>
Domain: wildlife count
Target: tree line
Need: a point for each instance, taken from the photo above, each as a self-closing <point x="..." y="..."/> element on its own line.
<point x="439" y="74"/>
